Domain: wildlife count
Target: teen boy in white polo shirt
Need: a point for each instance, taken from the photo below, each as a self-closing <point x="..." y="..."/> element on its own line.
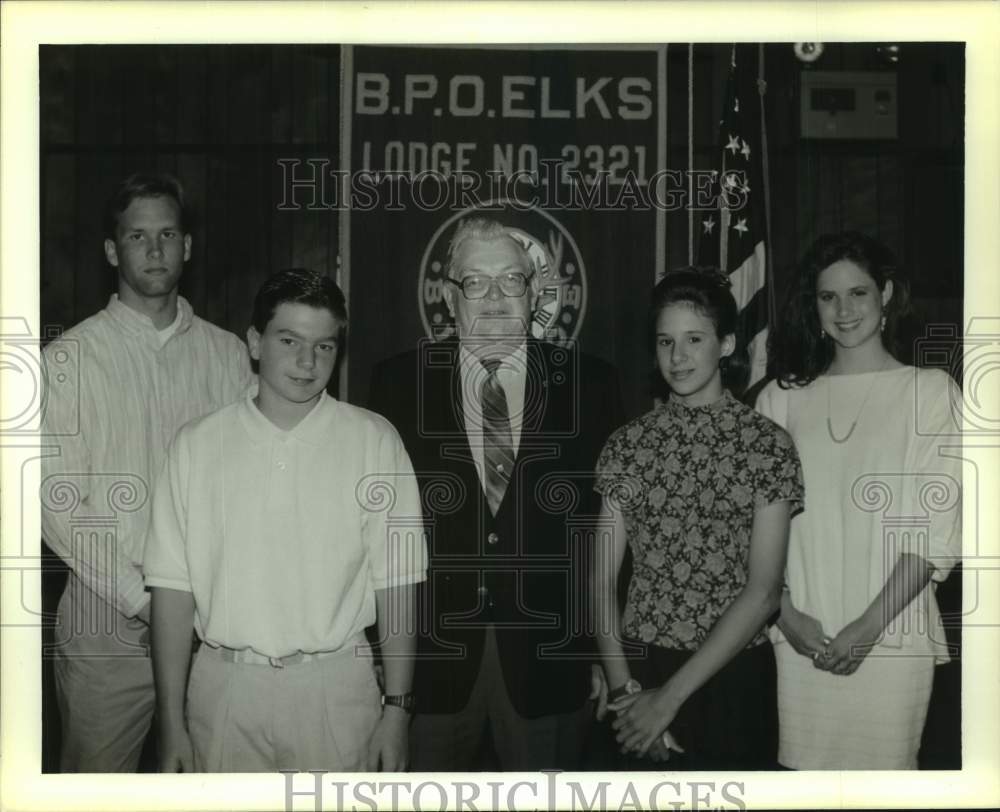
<point x="283" y="525"/>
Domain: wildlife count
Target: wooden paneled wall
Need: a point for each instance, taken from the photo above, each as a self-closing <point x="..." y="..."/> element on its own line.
<point x="221" y="116"/>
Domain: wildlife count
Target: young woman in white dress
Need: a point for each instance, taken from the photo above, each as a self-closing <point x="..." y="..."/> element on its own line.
<point x="859" y="631"/>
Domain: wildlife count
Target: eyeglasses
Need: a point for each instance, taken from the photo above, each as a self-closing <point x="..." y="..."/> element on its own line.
<point x="477" y="286"/>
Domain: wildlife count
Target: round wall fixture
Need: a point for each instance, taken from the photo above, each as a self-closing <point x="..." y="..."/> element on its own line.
<point x="808" y="51"/>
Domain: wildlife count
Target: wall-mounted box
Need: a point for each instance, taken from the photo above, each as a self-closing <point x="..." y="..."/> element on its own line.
<point x="848" y="105"/>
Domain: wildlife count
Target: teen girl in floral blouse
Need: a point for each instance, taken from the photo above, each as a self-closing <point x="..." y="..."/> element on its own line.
<point x="701" y="488"/>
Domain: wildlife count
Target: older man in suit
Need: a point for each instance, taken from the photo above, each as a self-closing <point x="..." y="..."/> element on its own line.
<point x="503" y="431"/>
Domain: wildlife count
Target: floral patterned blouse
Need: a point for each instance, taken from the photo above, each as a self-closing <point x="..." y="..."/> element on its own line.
<point x="688" y="480"/>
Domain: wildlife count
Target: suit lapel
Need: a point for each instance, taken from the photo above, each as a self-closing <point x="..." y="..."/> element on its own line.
<point x="538" y="413"/>
<point x="537" y="394"/>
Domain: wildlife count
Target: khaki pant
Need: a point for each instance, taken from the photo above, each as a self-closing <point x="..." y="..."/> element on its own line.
<point x="316" y="715"/>
<point x="104" y="684"/>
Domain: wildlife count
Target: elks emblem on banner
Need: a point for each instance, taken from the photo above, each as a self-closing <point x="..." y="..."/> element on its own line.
<point x="555" y="259"/>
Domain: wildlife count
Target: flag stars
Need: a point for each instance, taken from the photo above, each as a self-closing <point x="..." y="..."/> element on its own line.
<point x="734" y="143"/>
<point x="745" y="150"/>
<point x="741" y="226"/>
<point x="709" y="225"/>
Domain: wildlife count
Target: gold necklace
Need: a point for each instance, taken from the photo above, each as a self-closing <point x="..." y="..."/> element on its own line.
<point x="857" y="417"/>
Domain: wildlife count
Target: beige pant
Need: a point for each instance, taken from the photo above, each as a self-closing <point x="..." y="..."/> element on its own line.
<point x="315" y="715"/>
<point x="104" y="684"/>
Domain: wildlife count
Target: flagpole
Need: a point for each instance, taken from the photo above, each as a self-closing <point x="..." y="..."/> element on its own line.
<point x="661" y="162"/>
<point x="723" y="208"/>
<point x="344" y="216"/>
<point x="772" y="308"/>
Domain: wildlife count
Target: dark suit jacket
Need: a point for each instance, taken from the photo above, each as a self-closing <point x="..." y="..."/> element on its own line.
<point x="525" y="570"/>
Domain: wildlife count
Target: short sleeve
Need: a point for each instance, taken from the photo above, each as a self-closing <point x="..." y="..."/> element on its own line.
<point x="778" y="475"/>
<point x="933" y="464"/>
<point x="608" y="468"/>
<point x="612" y="475"/>
<point x="618" y="472"/>
<point x="165" y="557"/>
<point x="394" y="524"/>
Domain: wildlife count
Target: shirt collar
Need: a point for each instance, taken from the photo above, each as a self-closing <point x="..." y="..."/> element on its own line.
<point x="167" y="332"/>
<point x="316" y="428"/>
<point x="674" y="406"/>
<point x="136" y="322"/>
<point x="512" y="366"/>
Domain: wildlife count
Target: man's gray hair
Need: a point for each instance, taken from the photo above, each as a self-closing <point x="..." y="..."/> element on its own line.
<point x="485" y="229"/>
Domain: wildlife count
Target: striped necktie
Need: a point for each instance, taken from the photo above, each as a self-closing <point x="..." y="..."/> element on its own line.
<point x="498" y="450"/>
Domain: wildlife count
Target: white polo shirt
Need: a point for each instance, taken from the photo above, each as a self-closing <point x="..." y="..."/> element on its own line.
<point x="284" y="536"/>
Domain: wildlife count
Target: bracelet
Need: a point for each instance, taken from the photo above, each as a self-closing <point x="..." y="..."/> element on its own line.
<point x="630" y="687"/>
<point x="405" y="701"/>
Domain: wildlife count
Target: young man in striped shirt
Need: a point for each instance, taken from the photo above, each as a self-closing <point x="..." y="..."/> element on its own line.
<point x="119" y="385"/>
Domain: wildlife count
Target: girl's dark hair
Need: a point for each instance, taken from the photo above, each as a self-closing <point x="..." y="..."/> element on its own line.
<point x="798" y="353"/>
<point x="708" y="291"/>
<point x="299" y="286"/>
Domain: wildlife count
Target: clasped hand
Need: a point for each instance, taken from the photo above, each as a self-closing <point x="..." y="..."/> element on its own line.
<point x="840" y="655"/>
<point x="845" y="653"/>
<point x="641" y="725"/>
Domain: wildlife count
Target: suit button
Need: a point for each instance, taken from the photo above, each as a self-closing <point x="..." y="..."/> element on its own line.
<point x="493" y="538"/>
<point x="483" y="590"/>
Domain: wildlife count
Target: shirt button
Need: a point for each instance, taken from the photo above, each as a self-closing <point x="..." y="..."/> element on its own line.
<point x="281" y="466"/>
<point x="493" y="538"/>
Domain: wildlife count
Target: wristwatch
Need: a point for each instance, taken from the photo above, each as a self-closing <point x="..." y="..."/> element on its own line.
<point x="405" y="701"/>
<point x="630" y="687"/>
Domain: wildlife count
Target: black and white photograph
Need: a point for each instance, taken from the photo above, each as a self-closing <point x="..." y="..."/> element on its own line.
<point x="546" y="419"/>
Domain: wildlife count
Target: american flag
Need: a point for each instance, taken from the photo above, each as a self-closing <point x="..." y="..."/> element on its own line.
<point x="733" y="236"/>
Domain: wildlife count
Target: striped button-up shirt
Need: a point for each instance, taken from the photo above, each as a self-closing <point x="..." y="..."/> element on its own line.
<point x="115" y="396"/>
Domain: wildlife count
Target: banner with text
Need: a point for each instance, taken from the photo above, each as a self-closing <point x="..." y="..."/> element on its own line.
<point x="561" y="144"/>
